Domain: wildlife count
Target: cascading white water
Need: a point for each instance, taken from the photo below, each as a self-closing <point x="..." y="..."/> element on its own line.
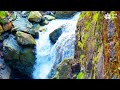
<point x="49" y="55"/>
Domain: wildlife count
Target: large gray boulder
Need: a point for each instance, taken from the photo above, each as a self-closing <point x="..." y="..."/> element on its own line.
<point x="18" y="57"/>
<point x="11" y="48"/>
<point x="22" y="24"/>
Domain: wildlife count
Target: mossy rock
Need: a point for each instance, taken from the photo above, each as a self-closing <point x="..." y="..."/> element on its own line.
<point x="35" y="16"/>
<point x="25" y="39"/>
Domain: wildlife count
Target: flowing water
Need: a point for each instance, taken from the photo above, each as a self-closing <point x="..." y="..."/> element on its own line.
<point x="49" y="55"/>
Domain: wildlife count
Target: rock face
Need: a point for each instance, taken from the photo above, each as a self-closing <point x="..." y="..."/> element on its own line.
<point x="18" y="57"/>
<point x="22" y="24"/>
<point x="5" y="71"/>
<point x="35" y="16"/>
<point x="97" y="49"/>
<point x="97" y="42"/>
<point x="66" y="69"/>
<point x="25" y="39"/>
<point x="56" y="34"/>
<point x="64" y="14"/>
<point x="61" y="50"/>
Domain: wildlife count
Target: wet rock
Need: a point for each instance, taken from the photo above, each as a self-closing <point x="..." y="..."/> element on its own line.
<point x="56" y="34"/>
<point x="25" y="39"/>
<point x="27" y="61"/>
<point x="44" y="22"/>
<point x="64" y="14"/>
<point x="76" y="68"/>
<point x="11" y="49"/>
<point x="48" y="17"/>
<point x="18" y="57"/>
<point x="35" y="16"/>
<point x="4" y="36"/>
<point x="36" y="28"/>
<point x="22" y="24"/>
<point x="5" y="71"/>
<point x="47" y="13"/>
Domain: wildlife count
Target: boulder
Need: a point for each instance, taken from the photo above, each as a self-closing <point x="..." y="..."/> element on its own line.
<point x="18" y="57"/>
<point x="56" y="34"/>
<point x="11" y="49"/>
<point x="22" y="24"/>
<point x="7" y="26"/>
<point x="35" y="16"/>
<point x="5" y="71"/>
<point x="64" y="14"/>
<point x="25" y="39"/>
<point x="36" y="27"/>
<point x="67" y="69"/>
<point x="4" y="36"/>
<point x="27" y="60"/>
<point x="44" y="22"/>
<point x="49" y="17"/>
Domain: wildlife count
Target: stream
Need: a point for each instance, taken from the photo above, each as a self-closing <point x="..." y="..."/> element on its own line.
<point x="49" y="55"/>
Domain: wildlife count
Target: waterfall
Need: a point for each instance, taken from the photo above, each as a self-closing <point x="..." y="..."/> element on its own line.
<point x="49" y="55"/>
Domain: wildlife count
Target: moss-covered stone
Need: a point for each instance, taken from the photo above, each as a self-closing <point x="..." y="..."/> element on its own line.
<point x="35" y="16"/>
<point x="67" y="69"/>
<point x="18" y="57"/>
<point x="25" y="39"/>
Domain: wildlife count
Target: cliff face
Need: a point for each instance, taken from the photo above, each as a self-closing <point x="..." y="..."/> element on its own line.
<point x="97" y="49"/>
<point x="98" y="44"/>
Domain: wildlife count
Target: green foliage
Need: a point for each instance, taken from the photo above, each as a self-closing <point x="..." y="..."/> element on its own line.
<point x="3" y="14"/>
<point x="82" y="56"/>
<point x="112" y="14"/>
<point x="80" y="45"/>
<point x="95" y="17"/>
<point x="80" y="75"/>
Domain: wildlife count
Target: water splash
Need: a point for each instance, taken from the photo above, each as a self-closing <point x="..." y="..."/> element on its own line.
<point x="49" y="55"/>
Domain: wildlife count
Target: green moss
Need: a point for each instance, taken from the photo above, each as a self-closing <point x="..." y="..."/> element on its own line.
<point x="95" y="17"/>
<point x="112" y="15"/>
<point x="81" y="75"/>
<point x="3" y="14"/>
